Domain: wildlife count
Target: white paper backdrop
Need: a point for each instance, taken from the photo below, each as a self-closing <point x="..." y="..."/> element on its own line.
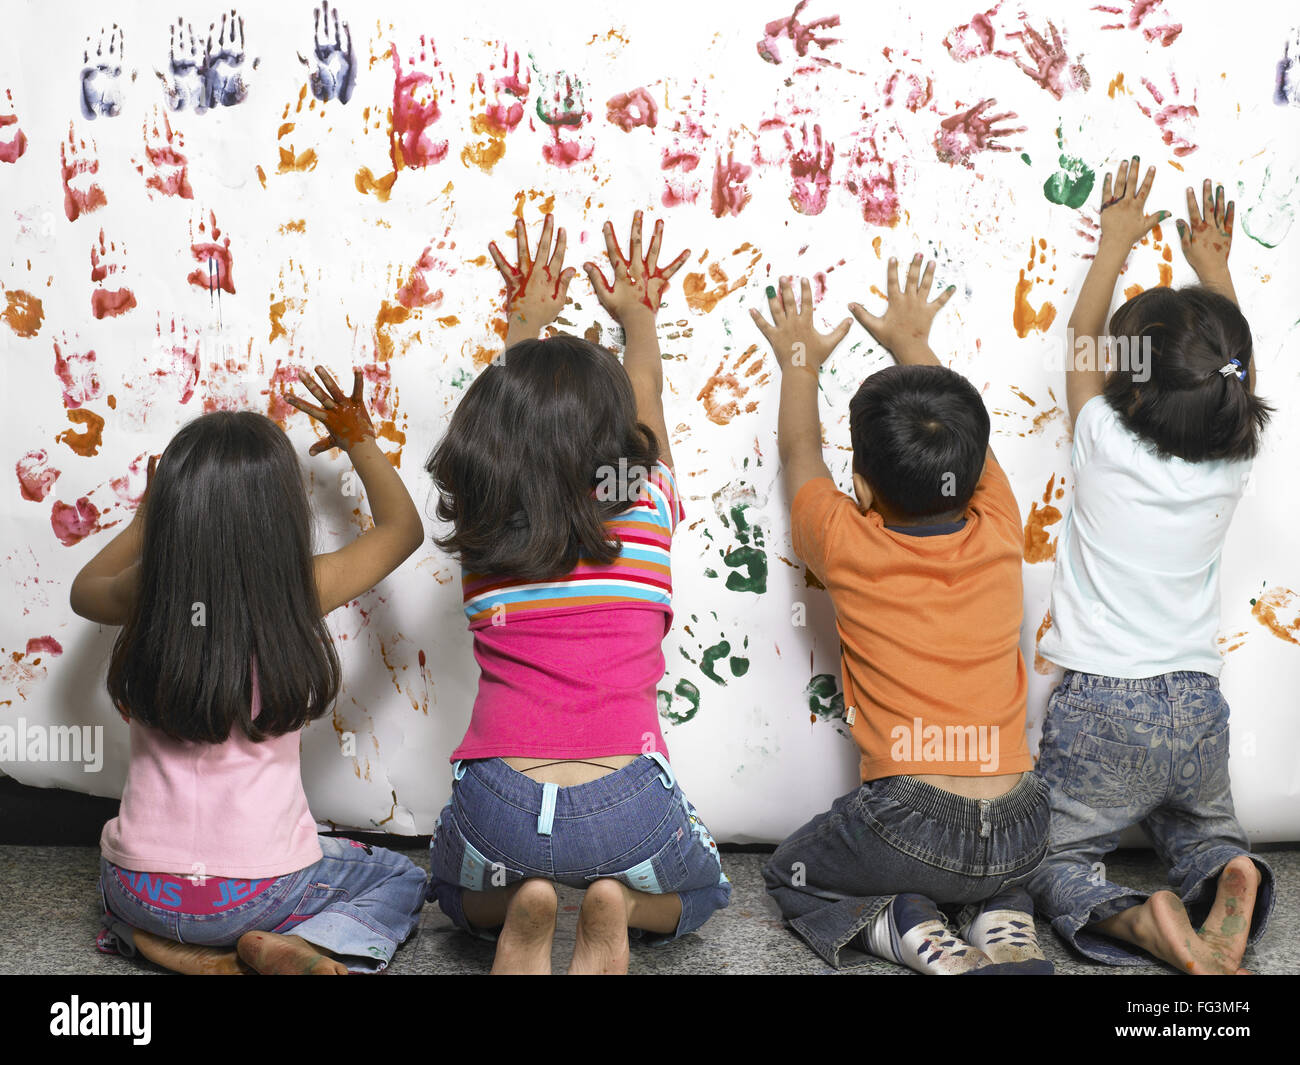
<point x="816" y="142"/>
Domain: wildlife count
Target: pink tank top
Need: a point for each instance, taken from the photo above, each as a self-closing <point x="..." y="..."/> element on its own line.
<point x="233" y="809"/>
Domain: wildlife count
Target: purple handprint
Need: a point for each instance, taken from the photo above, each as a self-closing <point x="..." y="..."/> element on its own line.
<point x="101" y="76"/>
<point x="335" y="67"/>
<point x="183" y="82"/>
<point x="223" y="63"/>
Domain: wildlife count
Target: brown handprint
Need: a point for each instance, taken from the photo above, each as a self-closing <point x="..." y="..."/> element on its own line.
<point x="344" y="417"/>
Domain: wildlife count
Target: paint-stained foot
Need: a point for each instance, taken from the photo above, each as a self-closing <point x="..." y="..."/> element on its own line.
<point x="1227" y="926"/>
<point x="602" y="946"/>
<point x="1163" y="929"/>
<point x="188" y="958"/>
<point x="524" y="946"/>
<point x="277" y="955"/>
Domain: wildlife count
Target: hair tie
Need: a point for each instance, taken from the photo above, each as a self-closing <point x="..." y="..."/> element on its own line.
<point x="1231" y="367"/>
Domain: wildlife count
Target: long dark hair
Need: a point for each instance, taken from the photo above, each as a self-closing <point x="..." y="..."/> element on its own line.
<point x="226" y="585"/>
<point x="525" y="449"/>
<point x="1187" y="408"/>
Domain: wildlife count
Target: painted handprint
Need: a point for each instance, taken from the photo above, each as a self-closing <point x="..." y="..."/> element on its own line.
<point x="1049" y="63"/>
<point x="77" y="372"/>
<point x="681" y="156"/>
<point x="961" y="135"/>
<point x="164" y="168"/>
<point x="810" y="170"/>
<point x="730" y="192"/>
<point x="803" y="35"/>
<point x="101" y="75"/>
<point x="504" y="92"/>
<point x="628" y="110"/>
<point x="213" y="256"/>
<point x="560" y="105"/>
<point x="13" y="141"/>
<point x="1145" y="14"/>
<point x="873" y="179"/>
<point x="109" y="298"/>
<point x="333" y="64"/>
<point x="184" y="81"/>
<point x="78" y="165"/>
<point x="223" y="62"/>
<point x="1175" y="119"/>
<point x="416" y="95"/>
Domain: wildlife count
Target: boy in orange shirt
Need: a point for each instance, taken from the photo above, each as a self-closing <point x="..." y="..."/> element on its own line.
<point x="923" y="569"/>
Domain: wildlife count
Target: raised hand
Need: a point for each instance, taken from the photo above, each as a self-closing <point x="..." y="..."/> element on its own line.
<point x="1206" y="236"/>
<point x="639" y="281"/>
<point x="904" y="328"/>
<point x="1123" y="205"/>
<point x="344" y="417"/>
<point x="536" y="287"/>
<point x="792" y="333"/>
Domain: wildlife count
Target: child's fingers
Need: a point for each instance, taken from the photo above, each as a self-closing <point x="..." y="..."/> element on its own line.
<point x="1121" y="177"/>
<point x="305" y="407"/>
<point x="774" y="305"/>
<point x="521" y="244"/>
<point x="943" y="298"/>
<point x="869" y="322"/>
<point x="1131" y="180"/>
<point x="556" y="261"/>
<point x="787" y="296"/>
<point x="1184" y="235"/>
<point x="1149" y="222"/>
<point x="891" y="280"/>
<point x="562" y="283"/>
<point x="761" y="322"/>
<point x="321" y="446"/>
<point x="805" y="297"/>
<point x="1105" y="191"/>
<point x="1193" y="215"/>
<point x="499" y="260"/>
<point x="336" y="394"/>
<point x="1218" y="207"/>
<point x="544" y="241"/>
<point x="1207" y="200"/>
<point x="304" y="378"/>
<point x="927" y="278"/>
<point x="675" y="265"/>
<point x="914" y="272"/>
<point x="1229" y="217"/>
<point x="1145" y="190"/>
<point x="597" y="279"/>
<point x="634" y="242"/>
<point x="656" y="240"/>
<point x="841" y="331"/>
<point x="615" y="253"/>
<point x="357" y="387"/>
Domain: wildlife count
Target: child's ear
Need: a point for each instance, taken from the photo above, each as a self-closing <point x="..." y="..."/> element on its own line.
<point x="863" y="491"/>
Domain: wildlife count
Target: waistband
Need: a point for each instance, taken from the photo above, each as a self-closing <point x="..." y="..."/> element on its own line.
<point x="183" y="894"/>
<point x="1017" y="805"/>
<point x="551" y="800"/>
<point x="1170" y="683"/>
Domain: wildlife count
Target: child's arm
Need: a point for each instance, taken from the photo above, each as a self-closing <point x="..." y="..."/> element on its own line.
<point x="536" y="289"/>
<point x="105" y="588"/>
<point x="1123" y="224"/>
<point x="1206" y="239"/>
<point x="632" y="299"/>
<point x="344" y="574"/>
<point x="800" y="351"/>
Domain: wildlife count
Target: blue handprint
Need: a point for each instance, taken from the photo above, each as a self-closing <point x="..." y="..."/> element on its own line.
<point x="335" y="70"/>
<point x="101" y="75"/>
<point x="185" y="86"/>
<point x="223" y="65"/>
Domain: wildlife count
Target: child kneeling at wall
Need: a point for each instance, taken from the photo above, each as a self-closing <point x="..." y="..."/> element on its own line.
<point x="923" y="569"/>
<point x="557" y="479"/>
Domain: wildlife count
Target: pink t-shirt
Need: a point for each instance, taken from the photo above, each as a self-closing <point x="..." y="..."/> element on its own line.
<point x="233" y="809"/>
<point x="569" y="667"/>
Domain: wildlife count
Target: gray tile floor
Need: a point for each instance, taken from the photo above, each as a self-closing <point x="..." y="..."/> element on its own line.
<point x="49" y="918"/>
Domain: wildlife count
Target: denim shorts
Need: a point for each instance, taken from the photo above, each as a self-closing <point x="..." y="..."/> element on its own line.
<point x="898" y="835"/>
<point x="1119" y="752"/>
<point x="358" y="902"/>
<point x="634" y="825"/>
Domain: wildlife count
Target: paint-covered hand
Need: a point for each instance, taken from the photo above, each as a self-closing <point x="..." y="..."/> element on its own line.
<point x="344" y="417"/>
<point x="536" y="288"/>
<point x="150" y="470"/>
<point x="905" y="325"/>
<point x="1123" y="206"/>
<point x="1206" y="236"/>
<point x="792" y="334"/>
<point x="639" y="284"/>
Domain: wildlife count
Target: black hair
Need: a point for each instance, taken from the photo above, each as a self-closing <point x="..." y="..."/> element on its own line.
<point x="227" y="585"/>
<point x="1176" y="399"/>
<point x="526" y="447"/>
<point x="920" y="434"/>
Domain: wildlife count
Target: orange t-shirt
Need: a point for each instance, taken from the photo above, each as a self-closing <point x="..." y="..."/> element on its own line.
<point x="929" y="628"/>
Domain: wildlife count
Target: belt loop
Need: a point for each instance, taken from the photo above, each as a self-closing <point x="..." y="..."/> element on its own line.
<point x="547" y="816"/>
<point x="458" y="769"/>
<point x="666" y="775"/>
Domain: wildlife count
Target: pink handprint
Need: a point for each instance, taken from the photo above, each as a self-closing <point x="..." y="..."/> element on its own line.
<point x="416" y="94"/>
<point x="1049" y="64"/>
<point x="962" y="135"/>
<point x="810" y="170"/>
<point x="1174" y="119"/>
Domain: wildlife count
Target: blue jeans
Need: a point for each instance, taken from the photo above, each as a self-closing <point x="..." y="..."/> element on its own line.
<point x="634" y="825"/>
<point x="358" y="902"/>
<point x="896" y="835"/>
<point x="1152" y="752"/>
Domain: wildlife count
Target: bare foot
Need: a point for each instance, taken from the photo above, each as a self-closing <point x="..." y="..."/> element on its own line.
<point x="1160" y="926"/>
<point x="602" y="946"/>
<point x="278" y="955"/>
<point x="188" y="958"/>
<point x="524" y="946"/>
<point x="1227" y="927"/>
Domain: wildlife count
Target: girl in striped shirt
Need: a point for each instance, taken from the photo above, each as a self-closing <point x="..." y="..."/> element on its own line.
<point x="556" y="477"/>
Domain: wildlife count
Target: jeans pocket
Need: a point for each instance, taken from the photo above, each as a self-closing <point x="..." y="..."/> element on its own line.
<point x="1105" y="773"/>
<point x="1212" y="754"/>
<point x="662" y="873"/>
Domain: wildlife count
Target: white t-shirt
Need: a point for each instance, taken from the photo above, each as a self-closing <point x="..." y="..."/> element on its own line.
<point x="1136" y="587"/>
